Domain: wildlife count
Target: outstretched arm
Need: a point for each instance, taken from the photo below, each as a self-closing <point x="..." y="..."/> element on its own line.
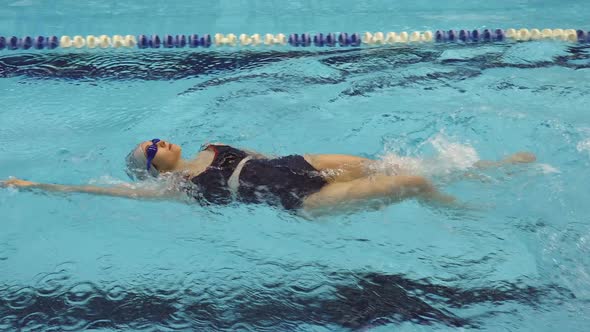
<point x="121" y="191"/>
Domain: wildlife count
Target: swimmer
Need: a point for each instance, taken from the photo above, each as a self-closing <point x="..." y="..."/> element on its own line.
<point x="219" y="174"/>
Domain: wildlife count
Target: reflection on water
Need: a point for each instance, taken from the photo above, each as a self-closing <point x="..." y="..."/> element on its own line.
<point x="354" y="301"/>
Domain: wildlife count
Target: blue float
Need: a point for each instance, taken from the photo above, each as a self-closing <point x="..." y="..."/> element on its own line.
<point x="452" y="36"/>
<point x="355" y="39"/>
<point x="330" y="39"/>
<point x="193" y="41"/>
<point x="318" y="40"/>
<point x="168" y="41"/>
<point x="26" y="42"/>
<point x="464" y="35"/>
<point x="294" y="39"/>
<point x="206" y="40"/>
<point x="52" y="42"/>
<point x="499" y="35"/>
<point x="581" y="36"/>
<point x="155" y="42"/>
<point x="13" y="43"/>
<point x="39" y="42"/>
<point x="475" y="36"/>
<point x="305" y="39"/>
<point x="180" y="41"/>
<point x="343" y="39"/>
<point x="487" y="35"/>
<point x="143" y="41"/>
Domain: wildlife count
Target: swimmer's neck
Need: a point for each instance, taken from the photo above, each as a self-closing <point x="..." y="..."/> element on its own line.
<point x="197" y="165"/>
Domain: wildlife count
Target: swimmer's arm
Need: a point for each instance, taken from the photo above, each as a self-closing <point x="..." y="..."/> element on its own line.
<point x="128" y="192"/>
<point x="253" y="154"/>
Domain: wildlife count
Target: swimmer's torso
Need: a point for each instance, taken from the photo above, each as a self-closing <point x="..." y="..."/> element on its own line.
<point x="284" y="181"/>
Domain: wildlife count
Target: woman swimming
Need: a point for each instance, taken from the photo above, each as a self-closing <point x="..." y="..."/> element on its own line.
<point x="220" y="174"/>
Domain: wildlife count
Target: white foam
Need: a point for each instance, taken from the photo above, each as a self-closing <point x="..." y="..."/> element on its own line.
<point x="454" y="155"/>
<point x="150" y="183"/>
<point x="449" y="157"/>
<point x="583" y="145"/>
<point x="106" y="180"/>
<point x="547" y="169"/>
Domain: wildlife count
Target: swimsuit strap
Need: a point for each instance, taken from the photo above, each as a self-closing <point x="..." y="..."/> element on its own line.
<point x="234" y="180"/>
<point x="213" y="184"/>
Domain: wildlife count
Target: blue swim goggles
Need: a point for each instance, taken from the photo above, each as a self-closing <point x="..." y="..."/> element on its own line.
<point x="151" y="151"/>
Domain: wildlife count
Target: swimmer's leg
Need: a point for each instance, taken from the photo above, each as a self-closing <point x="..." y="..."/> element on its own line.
<point x="373" y="191"/>
<point x="517" y="158"/>
<point x="340" y="167"/>
<point x="343" y="168"/>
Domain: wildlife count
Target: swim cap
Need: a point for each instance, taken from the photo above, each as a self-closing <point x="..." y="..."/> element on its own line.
<point x="136" y="165"/>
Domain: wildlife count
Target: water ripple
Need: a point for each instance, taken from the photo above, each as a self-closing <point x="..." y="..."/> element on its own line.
<point x="139" y="66"/>
<point x="351" y="301"/>
<point x="52" y="283"/>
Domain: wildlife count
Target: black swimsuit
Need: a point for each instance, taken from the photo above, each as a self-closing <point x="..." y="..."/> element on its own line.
<point x="284" y="181"/>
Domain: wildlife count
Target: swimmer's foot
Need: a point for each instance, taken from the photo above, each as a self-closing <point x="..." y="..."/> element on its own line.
<point x="520" y="158"/>
<point x="517" y="158"/>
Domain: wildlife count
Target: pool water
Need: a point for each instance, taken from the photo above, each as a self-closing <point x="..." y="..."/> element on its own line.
<point x="517" y="260"/>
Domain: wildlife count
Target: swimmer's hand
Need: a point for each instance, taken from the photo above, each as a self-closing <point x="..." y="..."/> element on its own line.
<point x="17" y="183"/>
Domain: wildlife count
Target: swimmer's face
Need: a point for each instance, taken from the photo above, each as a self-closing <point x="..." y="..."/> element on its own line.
<point x="167" y="157"/>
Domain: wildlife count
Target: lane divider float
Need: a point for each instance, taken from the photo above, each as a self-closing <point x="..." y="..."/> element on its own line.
<point x="342" y="39"/>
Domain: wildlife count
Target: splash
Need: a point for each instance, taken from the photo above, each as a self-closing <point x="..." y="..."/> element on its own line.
<point x="449" y="157"/>
<point x="547" y="169"/>
<point x="583" y="146"/>
<point x="166" y="182"/>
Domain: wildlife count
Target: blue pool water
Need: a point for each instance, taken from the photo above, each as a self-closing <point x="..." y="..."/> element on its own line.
<point x="519" y="261"/>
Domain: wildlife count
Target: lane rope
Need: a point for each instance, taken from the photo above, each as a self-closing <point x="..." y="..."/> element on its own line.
<point x="342" y="39"/>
